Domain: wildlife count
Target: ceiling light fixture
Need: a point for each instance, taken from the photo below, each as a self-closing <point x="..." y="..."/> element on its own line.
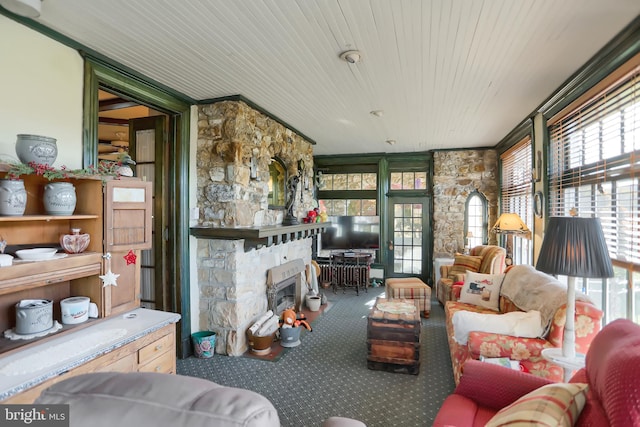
<point x="351" y="56"/>
<point x="391" y="141"/>
<point x="28" y="8"/>
<point x="377" y="113"/>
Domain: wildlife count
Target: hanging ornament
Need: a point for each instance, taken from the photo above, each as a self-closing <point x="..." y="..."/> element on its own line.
<point x="130" y="257"/>
<point x="109" y="278"/>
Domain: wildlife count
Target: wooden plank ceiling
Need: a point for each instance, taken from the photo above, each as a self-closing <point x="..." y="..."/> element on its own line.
<point x="444" y="73"/>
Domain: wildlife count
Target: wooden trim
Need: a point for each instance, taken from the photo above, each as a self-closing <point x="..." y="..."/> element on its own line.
<point x="124" y="82"/>
<point x="261" y="236"/>
<point x="621" y="74"/>
<point x="618" y="51"/>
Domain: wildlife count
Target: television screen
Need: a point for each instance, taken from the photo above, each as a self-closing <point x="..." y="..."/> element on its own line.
<point x="352" y="232"/>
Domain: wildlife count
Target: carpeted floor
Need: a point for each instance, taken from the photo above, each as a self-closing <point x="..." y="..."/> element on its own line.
<point x="327" y="374"/>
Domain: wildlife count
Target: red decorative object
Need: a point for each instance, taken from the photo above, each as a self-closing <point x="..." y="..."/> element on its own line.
<point x="130" y="257"/>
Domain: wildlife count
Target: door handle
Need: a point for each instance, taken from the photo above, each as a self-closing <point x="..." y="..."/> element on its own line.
<point x="390" y="245"/>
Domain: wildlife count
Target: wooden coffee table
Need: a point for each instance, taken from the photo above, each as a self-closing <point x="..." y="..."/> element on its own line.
<point x="393" y="336"/>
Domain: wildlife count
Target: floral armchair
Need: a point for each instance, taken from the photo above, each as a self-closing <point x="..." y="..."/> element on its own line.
<point x="528" y="351"/>
<point x="486" y="259"/>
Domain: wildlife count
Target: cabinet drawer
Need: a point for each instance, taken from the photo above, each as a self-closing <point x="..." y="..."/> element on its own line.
<point x="155" y="349"/>
<point x="125" y="364"/>
<point x="163" y="364"/>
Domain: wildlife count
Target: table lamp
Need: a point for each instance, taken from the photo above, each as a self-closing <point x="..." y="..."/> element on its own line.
<point x="511" y="224"/>
<point x="574" y="247"/>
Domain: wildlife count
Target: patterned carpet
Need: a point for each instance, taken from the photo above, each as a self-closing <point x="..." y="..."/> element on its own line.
<point x="327" y="374"/>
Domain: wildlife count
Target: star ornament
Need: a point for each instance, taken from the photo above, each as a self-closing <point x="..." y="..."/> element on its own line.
<point x="109" y="279"/>
<point x="130" y="257"/>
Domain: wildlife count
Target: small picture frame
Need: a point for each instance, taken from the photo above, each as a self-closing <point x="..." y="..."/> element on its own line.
<point x="538" y="204"/>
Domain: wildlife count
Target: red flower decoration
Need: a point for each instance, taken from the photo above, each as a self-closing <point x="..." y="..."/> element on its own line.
<point x="130" y="257"/>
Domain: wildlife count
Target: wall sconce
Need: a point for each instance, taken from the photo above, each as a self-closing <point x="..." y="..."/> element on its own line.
<point x="253" y="164"/>
<point x="302" y="178"/>
<point x="319" y="180"/>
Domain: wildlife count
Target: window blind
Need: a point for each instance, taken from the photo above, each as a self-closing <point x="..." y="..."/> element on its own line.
<point x="516" y="192"/>
<point x="594" y="164"/>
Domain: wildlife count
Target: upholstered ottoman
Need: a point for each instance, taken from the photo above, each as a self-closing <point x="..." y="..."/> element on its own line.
<point x="410" y="288"/>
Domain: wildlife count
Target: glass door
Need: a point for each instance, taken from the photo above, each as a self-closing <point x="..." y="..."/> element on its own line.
<point x="408" y="231"/>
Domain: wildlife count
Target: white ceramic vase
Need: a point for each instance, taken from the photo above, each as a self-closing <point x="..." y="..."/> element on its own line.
<point x="36" y="148"/>
<point x="13" y="197"/>
<point x="59" y="198"/>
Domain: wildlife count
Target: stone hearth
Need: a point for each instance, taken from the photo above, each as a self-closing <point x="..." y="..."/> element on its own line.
<point x="233" y="286"/>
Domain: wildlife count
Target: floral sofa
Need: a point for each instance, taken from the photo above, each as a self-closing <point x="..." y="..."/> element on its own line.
<point x="487" y="259"/>
<point x="523" y="289"/>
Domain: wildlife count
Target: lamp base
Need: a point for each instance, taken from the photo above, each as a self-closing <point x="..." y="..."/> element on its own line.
<point x="569" y="364"/>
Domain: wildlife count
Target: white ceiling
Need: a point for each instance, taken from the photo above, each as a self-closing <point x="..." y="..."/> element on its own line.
<point x="446" y="73"/>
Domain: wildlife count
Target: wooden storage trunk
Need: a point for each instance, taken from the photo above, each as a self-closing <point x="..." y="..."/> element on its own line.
<point x="393" y="339"/>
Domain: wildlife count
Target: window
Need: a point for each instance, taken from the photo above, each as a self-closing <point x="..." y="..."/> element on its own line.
<point x="595" y="167"/>
<point x="408" y="180"/>
<point x="352" y="193"/>
<point x="516" y="195"/>
<point x="475" y="224"/>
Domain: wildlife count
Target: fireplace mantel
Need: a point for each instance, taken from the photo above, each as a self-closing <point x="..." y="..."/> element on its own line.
<point x="256" y="237"/>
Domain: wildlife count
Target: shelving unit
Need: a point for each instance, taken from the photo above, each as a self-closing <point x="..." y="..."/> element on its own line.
<point x="116" y="213"/>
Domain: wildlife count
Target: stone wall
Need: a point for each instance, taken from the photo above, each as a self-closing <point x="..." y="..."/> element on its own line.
<point x="233" y="138"/>
<point x="455" y="175"/>
<point x="233" y="286"/>
<point x="230" y="134"/>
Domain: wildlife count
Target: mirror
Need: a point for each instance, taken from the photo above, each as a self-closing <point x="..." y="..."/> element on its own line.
<point x="277" y="183"/>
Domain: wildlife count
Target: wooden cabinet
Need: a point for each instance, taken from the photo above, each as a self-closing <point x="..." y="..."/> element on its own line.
<point x="154" y="352"/>
<point x="117" y="216"/>
<point x="116" y="213"/>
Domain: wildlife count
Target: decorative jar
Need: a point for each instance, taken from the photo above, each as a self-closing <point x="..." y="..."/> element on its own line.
<point x="13" y="197"/>
<point x="36" y="148"/>
<point x="75" y="242"/>
<point x="59" y="198"/>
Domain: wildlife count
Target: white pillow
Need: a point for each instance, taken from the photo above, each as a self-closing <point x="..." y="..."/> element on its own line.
<point x="515" y="323"/>
<point x="482" y="290"/>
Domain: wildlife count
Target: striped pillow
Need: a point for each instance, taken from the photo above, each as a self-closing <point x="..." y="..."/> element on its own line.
<point x="464" y="263"/>
<point x="557" y="404"/>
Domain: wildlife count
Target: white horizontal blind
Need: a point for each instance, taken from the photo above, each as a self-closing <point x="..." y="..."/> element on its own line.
<point x="516" y="180"/>
<point x="516" y="193"/>
<point x="594" y="164"/>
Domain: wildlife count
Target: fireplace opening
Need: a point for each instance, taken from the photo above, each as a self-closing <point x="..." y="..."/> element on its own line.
<point x="284" y="286"/>
<point x="283" y="295"/>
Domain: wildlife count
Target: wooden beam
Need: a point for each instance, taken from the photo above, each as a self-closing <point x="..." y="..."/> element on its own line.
<point x="115" y="104"/>
<point x="113" y="121"/>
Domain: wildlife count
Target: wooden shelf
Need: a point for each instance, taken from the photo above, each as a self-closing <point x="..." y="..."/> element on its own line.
<point x="25" y="218"/>
<point x="255" y="237"/>
<point x="21" y="276"/>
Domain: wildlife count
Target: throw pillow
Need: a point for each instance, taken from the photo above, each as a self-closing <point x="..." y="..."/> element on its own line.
<point x="557" y="404"/>
<point x="464" y="263"/>
<point x="514" y="323"/>
<point x="482" y="290"/>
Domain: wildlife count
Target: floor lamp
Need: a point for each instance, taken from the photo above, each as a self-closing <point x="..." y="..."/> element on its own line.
<point x="511" y="224"/>
<point x="573" y="247"/>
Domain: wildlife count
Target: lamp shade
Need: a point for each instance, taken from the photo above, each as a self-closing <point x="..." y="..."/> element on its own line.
<point x="511" y="223"/>
<point x="575" y="247"/>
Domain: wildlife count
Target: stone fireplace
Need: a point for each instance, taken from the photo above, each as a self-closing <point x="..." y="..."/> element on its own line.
<point x="239" y="237"/>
